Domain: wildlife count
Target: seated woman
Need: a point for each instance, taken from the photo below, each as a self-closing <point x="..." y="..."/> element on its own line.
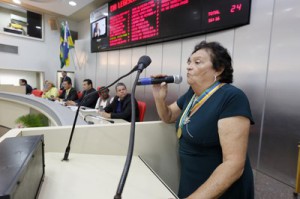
<point x="50" y="91"/>
<point x="104" y="99"/>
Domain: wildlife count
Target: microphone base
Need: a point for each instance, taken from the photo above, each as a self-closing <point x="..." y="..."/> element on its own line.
<point x="66" y="156"/>
<point x="118" y="196"/>
<point x="65" y="159"/>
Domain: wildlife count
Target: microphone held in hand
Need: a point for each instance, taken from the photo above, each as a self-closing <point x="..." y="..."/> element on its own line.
<point x="177" y="79"/>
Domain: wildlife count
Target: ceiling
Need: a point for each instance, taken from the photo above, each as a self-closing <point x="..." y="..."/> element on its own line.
<point x="61" y="8"/>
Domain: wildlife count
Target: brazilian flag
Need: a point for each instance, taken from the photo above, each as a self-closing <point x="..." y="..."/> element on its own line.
<point x="66" y="43"/>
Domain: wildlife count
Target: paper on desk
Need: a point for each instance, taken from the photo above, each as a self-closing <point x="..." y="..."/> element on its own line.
<point x="73" y="108"/>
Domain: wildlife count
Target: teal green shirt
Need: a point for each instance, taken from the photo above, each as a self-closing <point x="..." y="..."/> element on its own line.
<point x="199" y="147"/>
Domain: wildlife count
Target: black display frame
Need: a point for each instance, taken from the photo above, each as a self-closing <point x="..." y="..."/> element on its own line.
<point x="205" y="10"/>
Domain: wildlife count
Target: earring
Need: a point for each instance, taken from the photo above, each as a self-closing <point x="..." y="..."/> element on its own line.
<point x="215" y="78"/>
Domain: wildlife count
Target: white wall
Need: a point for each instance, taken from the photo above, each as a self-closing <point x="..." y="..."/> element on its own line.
<point x="12" y="77"/>
<point x="36" y="55"/>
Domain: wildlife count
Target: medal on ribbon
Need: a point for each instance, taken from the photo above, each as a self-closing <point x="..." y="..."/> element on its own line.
<point x="194" y="104"/>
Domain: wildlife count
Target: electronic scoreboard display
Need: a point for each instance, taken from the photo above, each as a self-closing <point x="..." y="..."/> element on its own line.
<point x="140" y="22"/>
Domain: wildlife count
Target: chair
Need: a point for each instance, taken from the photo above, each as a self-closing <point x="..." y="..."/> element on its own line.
<point x="37" y="93"/>
<point x="79" y="94"/>
<point x="60" y="92"/>
<point x="98" y="88"/>
<point x="142" y="110"/>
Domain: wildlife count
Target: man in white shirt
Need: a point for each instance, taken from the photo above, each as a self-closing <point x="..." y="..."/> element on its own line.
<point x="104" y="99"/>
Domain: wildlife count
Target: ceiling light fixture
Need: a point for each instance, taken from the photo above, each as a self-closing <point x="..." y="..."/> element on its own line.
<point x="43" y="1"/>
<point x="17" y="1"/>
<point x="72" y="3"/>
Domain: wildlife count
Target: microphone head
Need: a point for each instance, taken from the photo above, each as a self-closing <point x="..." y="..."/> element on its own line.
<point x="145" y="61"/>
<point x="177" y="79"/>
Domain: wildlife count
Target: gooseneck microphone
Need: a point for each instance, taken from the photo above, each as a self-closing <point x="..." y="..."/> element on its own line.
<point x="139" y="68"/>
<point x="177" y="79"/>
<point x="143" y="62"/>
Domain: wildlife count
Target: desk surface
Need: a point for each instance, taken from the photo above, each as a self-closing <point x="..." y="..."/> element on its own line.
<point x="97" y="176"/>
<point x="91" y="115"/>
<point x="60" y="114"/>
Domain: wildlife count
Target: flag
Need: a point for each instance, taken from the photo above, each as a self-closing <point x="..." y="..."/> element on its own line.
<point x="66" y="43"/>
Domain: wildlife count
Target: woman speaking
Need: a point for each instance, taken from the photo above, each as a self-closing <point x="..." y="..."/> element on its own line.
<point x="212" y="121"/>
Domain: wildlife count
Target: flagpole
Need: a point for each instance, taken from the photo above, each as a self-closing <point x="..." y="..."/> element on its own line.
<point x="75" y="55"/>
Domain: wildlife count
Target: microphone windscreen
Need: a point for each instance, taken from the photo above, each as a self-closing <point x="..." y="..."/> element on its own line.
<point x="145" y="60"/>
<point x="177" y="79"/>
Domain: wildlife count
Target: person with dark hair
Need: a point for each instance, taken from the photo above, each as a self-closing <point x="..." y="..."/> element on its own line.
<point x="23" y="82"/>
<point x="104" y="99"/>
<point x="64" y="78"/>
<point x="69" y="93"/>
<point x="120" y="108"/>
<point x="91" y="100"/>
<point x="213" y="119"/>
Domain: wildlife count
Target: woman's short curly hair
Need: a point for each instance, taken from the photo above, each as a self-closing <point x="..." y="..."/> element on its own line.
<point x="220" y="59"/>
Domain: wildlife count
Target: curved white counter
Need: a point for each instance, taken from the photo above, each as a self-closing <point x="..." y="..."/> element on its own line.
<point x="56" y="113"/>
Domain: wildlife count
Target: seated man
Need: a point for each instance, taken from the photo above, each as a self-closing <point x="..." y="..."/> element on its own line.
<point x="91" y="100"/>
<point x="68" y="93"/>
<point x="23" y="82"/>
<point x="120" y="108"/>
<point x="104" y="99"/>
<point x="50" y="91"/>
<point x="64" y="77"/>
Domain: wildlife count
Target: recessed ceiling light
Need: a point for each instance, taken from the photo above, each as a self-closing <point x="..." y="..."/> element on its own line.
<point x="38" y="27"/>
<point x="72" y="3"/>
<point x="17" y="1"/>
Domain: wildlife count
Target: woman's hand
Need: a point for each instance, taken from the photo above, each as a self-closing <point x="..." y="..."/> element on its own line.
<point x="70" y="103"/>
<point x="160" y="91"/>
<point x="167" y="113"/>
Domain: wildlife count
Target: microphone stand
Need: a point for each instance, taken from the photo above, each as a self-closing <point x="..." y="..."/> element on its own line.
<point x="131" y="139"/>
<point x="68" y="148"/>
